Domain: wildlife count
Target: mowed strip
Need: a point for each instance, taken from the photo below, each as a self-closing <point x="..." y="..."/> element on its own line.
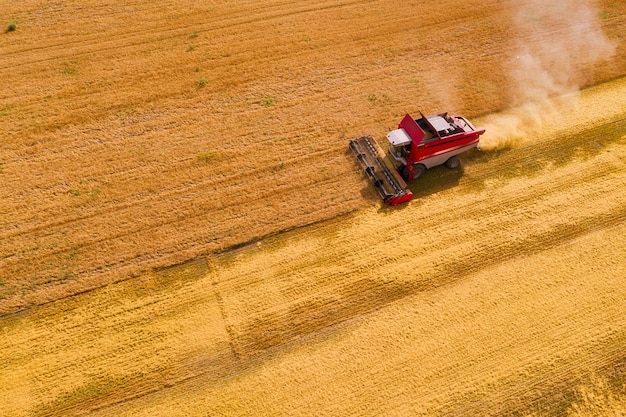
<point x="526" y="267"/>
<point x="160" y="131"/>
<point x="498" y="341"/>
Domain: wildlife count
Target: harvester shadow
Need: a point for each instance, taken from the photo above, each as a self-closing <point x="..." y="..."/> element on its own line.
<point x="435" y="180"/>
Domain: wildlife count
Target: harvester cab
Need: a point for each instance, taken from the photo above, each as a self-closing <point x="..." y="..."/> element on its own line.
<point x="415" y="146"/>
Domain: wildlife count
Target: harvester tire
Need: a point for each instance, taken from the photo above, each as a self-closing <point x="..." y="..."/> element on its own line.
<point x="404" y="173"/>
<point x="418" y="171"/>
<point x="453" y="162"/>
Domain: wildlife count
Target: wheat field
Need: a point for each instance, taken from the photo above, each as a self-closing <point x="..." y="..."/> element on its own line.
<point x="183" y="230"/>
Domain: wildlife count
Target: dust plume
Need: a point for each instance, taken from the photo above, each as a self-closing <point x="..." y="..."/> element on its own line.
<point x="558" y="43"/>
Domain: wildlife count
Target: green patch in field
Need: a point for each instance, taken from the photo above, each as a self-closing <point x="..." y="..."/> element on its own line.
<point x="69" y="68"/>
<point x="381" y="100"/>
<point x="206" y="157"/>
<point x="279" y="167"/>
<point x="11" y="26"/>
<point x="267" y="102"/>
<point x="96" y="388"/>
<point x="85" y="192"/>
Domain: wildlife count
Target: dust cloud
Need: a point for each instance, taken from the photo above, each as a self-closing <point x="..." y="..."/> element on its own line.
<point x="558" y="42"/>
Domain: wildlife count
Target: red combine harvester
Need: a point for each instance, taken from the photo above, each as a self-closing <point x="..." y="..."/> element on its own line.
<point x="417" y="144"/>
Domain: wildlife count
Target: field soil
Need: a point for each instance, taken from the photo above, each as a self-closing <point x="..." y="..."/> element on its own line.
<point x="183" y="230"/>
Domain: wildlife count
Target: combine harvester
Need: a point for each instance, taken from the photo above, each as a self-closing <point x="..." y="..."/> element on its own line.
<point x="417" y="144"/>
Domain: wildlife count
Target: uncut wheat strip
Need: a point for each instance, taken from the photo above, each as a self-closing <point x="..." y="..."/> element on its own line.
<point x="175" y="181"/>
<point x="161" y="212"/>
<point x="125" y="240"/>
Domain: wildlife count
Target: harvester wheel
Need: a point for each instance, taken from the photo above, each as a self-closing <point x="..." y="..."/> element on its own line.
<point x="404" y="173"/>
<point x="418" y="171"/>
<point x="453" y="162"/>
